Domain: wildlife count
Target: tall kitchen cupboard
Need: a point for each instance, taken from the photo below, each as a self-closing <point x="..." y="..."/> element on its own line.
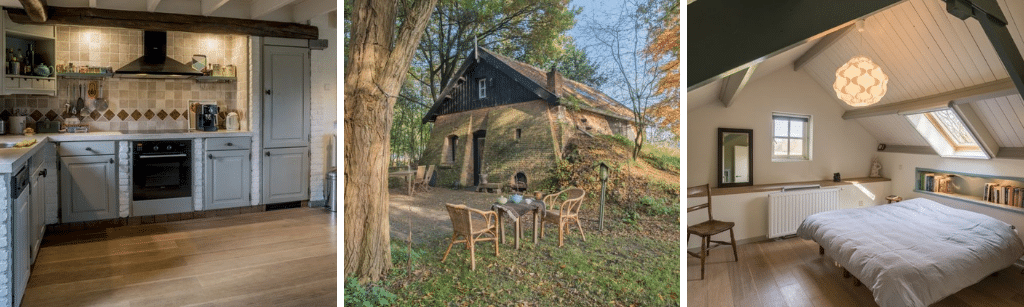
<point x="285" y="134"/>
<point x="88" y="181"/>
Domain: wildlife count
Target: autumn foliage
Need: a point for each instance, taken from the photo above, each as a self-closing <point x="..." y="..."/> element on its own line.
<point x="666" y="43"/>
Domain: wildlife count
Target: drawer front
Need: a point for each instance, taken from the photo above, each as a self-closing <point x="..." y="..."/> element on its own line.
<point x="86" y="148"/>
<point x="234" y="143"/>
<point x="12" y="82"/>
<point x="43" y="84"/>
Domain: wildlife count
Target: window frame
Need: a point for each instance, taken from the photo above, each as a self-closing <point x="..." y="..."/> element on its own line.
<point x="451" y="148"/>
<point x="481" y="88"/>
<point x="952" y="148"/>
<point x="807" y="137"/>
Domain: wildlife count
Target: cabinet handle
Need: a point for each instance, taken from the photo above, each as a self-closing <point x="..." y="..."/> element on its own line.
<point x="111" y="160"/>
<point x="267" y="154"/>
<point x="268" y="92"/>
<point x="42" y="173"/>
<point x="209" y="156"/>
<point x="229" y="144"/>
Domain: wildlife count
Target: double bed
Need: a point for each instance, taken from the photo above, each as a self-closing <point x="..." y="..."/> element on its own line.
<point x="915" y="252"/>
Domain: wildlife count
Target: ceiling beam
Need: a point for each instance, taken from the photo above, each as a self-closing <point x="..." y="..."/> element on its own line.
<point x="998" y="88"/>
<point x="308" y="9"/>
<point x="151" y="5"/>
<point x="992" y="20"/>
<point x="36" y="9"/>
<point x="209" y="6"/>
<point x="733" y="84"/>
<point x="821" y="46"/>
<point x="977" y="128"/>
<point x="725" y="34"/>
<point x="168" y="22"/>
<point x="260" y="8"/>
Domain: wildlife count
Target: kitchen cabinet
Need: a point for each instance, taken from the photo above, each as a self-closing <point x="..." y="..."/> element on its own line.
<point x="228" y="173"/>
<point x="20" y="36"/>
<point x="88" y="188"/>
<point x="38" y="204"/>
<point x="285" y="174"/>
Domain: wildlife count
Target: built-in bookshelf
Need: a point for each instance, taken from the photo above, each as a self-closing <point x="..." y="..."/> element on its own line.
<point x="994" y="191"/>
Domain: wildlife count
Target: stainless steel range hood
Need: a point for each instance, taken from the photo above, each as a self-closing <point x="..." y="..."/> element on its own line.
<point x="154" y="63"/>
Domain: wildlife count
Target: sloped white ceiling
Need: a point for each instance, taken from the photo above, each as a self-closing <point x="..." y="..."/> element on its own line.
<point x="892" y="129"/>
<point x="923" y="49"/>
<point x="1004" y="118"/>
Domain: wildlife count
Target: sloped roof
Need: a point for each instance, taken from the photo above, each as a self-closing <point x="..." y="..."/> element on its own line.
<point x="593" y="100"/>
<point x="591" y="97"/>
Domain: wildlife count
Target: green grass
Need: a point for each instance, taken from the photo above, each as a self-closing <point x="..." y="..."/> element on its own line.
<point x="605" y="270"/>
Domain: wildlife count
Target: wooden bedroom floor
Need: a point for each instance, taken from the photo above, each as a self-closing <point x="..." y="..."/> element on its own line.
<point x="274" y="258"/>
<point x="791" y="273"/>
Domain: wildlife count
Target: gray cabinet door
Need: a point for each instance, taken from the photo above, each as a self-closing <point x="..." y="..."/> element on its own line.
<point x="285" y="97"/>
<point x="227" y="179"/>
<point x="21" y="261"/>
<point x="285" y="174"/>
<point x="88" y="188"/>
<point x="38" y="209"/>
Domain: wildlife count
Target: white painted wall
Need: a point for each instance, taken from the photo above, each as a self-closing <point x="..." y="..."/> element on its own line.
<point x="324" y="96"/>
<point x="750" y="210"/>
<point x="839" y="145"/>
<point x="901" y="168"/>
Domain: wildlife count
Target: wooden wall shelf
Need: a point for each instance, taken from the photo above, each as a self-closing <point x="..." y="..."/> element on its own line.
<point x="776" y="187"/>
<point x="968" y="187"/>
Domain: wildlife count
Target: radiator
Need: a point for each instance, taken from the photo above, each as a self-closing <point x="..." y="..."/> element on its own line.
<point x="787" y="209"/>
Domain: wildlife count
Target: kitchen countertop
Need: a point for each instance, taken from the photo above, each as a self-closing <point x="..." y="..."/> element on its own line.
<point x="9" y="157"/>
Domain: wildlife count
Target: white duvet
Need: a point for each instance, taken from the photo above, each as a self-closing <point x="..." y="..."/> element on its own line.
<point x="915" y="252"/>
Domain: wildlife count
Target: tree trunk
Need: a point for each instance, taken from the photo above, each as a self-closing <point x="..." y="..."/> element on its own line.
<point x="374" y="75"/>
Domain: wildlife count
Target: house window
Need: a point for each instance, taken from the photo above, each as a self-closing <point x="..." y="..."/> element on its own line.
<point x="519" y="134"/>
<point x="946" y="133"/>
<point x="450" y="149"/>
<point x="482" y="87"/>
<point x="791" y="137"/>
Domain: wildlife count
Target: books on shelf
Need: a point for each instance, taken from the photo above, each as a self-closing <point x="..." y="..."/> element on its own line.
<point x="937" y="183"/>
<point x="1004" y="194"/>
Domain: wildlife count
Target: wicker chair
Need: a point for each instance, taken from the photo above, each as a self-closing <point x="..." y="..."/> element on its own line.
<point x="471" y="229"/>
<point x="423" y="182"/>
<point x="567" y="212"/>
<point x="707" y="228"/>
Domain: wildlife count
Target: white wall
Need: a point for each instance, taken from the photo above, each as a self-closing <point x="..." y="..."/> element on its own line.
<point x="839" y="145"/>
<point x="324" y="103"/>
<point x="901" y="168"/>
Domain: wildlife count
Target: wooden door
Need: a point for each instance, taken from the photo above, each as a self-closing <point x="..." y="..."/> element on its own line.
<point x="285" y="175"/>
<point x="742" y="164"/>
<point x="227" y="179"/>
<point x="285" y="97"/>
<point x="478" y="155"/>
<point x="88" y="188"/>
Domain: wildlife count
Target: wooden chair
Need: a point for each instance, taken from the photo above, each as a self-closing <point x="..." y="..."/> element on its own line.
<point x="707" y="228"/>
<point x="471" y="229"/>
<point x="424" y="183"/>
<point x="568" y="211"/>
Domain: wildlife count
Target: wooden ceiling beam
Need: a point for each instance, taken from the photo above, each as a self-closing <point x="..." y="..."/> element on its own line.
<point x="991" y="18"/>
<point x="725" y="34"/>
<point x="36" y="9"/>
<point x="210" y="6"/>
<point x="168" y="22"/>
<point x="976" y="126"/>
<point x="733" y="84"/>
<point x="821" y="46"/>
<point x="998" y="88"/>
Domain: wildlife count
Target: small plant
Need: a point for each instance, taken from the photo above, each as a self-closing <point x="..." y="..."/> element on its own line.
<point x="358" y="295"/>
<point x="619" y="139"/>
<point x="655" y="206"/>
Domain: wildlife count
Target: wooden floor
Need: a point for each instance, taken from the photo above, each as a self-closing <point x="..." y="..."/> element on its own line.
<point x="275" y="258"/>
<point x="791" y="273"/>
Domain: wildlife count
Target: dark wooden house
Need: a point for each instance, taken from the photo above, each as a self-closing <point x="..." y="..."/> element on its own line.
<point x="510" y="121"/>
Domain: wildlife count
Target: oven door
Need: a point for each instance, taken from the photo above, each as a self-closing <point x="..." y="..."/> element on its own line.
<point x="161" y="176"/>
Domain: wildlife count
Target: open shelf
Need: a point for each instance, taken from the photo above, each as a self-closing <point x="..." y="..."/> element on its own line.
<point x="215" y="79"/>
<point x="968" y="187"/>
<point x="84" y="76"/>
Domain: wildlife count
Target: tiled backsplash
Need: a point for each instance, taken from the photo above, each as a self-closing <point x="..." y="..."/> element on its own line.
<point x="139" y="104"/>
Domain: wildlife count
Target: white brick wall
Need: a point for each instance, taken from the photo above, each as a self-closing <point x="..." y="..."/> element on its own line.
<point x="197" y="173"/>
<point x="6" y="277"/>
<point x="324" y="104"/>
<point x="124" y="184"/>
<point x="255" y="99"/>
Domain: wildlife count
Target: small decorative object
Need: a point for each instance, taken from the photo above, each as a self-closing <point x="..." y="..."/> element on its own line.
<point x="876" y="168"/>
<point x="42" y="70"/>
<point x="229" y="71"/>
<point x="893" y="198"/>
<point x="835" y="177"/>
<point x="502" y="199"/>
<point x="881" y="147"/>
<point x="215" y="70"/>
<point x="516" y="198"/>
<point x="199" y="62"/>
<point x="538" y="195"/>
<point x="529" y="201"/>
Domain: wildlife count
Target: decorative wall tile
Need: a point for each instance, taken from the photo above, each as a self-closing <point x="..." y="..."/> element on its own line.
<point x="108" y="114"/>
<point x="51" y="115"/>
<point x="136" y="115"/>
<point x="149" y="114"/>
<point x="174" y="114"/>
<point x="94" y="115"/>
<point x="122" y="115"/>
<point x="161" y="115"/>
<point x="36" y="115"/>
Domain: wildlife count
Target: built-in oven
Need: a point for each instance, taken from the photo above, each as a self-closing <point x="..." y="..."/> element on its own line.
<point x="161" y="177"/>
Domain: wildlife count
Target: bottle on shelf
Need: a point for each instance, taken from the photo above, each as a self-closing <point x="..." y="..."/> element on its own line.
<point x="30" y="58"/>
<point x="9" y="60"/>
<point x="19" y="62"/>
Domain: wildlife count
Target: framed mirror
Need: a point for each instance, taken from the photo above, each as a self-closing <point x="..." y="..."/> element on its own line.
<point x="735" y="157"/>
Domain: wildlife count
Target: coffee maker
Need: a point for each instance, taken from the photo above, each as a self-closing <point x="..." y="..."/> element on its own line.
<point x="206" y="117"/>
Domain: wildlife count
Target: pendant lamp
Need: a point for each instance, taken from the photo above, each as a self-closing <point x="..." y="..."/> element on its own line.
<point x="860" y="82"/>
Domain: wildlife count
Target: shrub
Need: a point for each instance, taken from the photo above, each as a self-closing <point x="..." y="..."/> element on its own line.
<point x="368" y="296"/>
<point x="620" y="140"/>
<point x="657" y="206"/>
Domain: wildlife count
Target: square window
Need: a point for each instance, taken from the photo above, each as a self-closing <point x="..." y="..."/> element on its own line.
<point x="946" y="133"/>
<point x="791" y="137"/>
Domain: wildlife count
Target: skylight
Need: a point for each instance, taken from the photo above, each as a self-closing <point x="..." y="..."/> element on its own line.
<point x="946" y="133"/>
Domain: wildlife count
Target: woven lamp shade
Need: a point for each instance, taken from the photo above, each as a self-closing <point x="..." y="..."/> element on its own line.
<point x="860" y="82"/>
